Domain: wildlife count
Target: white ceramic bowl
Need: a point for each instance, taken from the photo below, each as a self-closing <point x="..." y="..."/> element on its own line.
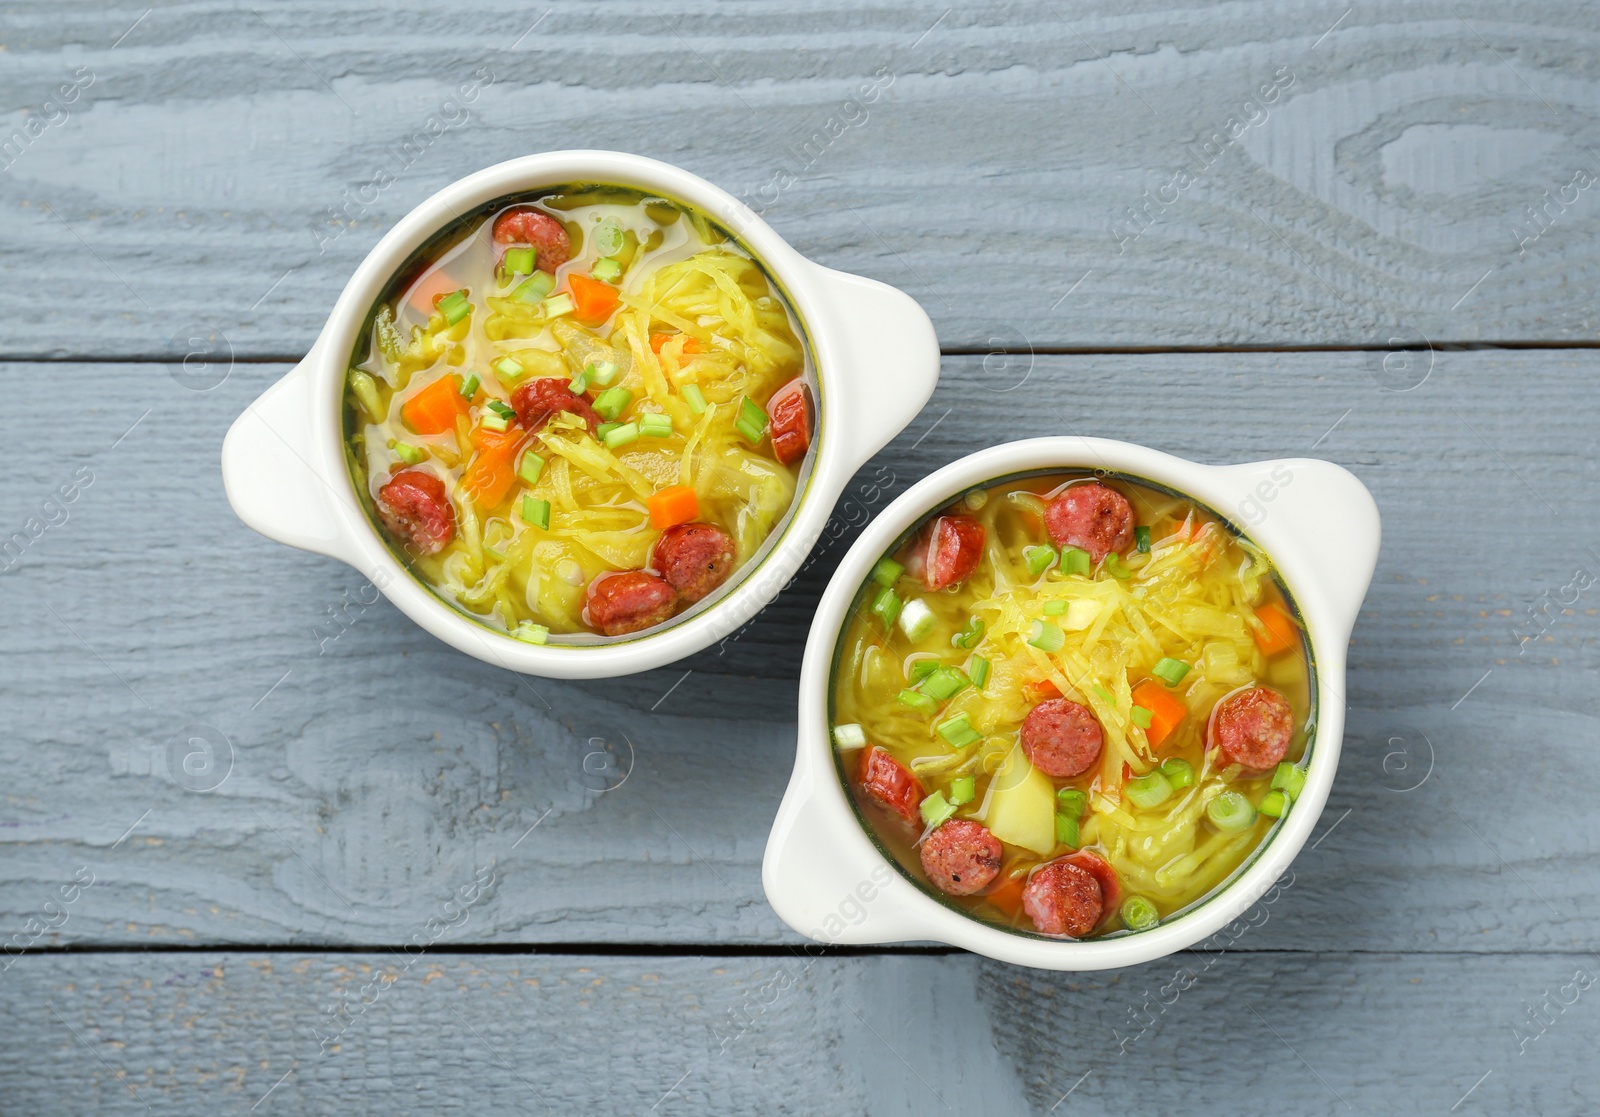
<point x="826" y="878"/>
<point x="873" y="353"/>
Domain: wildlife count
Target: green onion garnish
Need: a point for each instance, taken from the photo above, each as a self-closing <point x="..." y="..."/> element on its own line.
<point x="1274" y="804"/>
<point x="604" y="429"/>
<point x="936" y="809"/>
<point x="612" y="402"/>
<point x="531" y="633"/>
<point x="601" y="373"/>
<point x="501" y="408"/>
<point x="978" y="672"/>
<point x="1179" y="772"/>
<point x="1289" y="779"/>
<point x="1046" y="637"/>
<point x="520" y="261"/>
<point x="917" y="620"/>
<point x="1040" y="558"/>
<point x="1115" y="567"/>
<point x="962" y="790"/>
<point x="887" y="572"/>
<point x="535" y="288"/>
<point x="1105" y="695"/>
<point x="692" y="396"/>
<point x="1149" y="790"/>
<point x="531" y="466"/>
<point x="1170" y="670"/>
<point x="557" y="305"/>
<point x="1230" y="812"/>
<point x="469" y="386"/>
<point x="849" y="736"/>
<point x="886" y="607"/>
<point x="917" y="701"/>
<point x="958" y="731"/>
<point x="455" y="306"/>
<point x="922" y="668"/>
<point x="752" y="421"/>
<point x="1141" y="539"/>
<point x="493" y="421"/>
<point x="1075" y="560"/>
<point x="655" y="424"/>
<point x="1055" y="608"/>
<point x="1141" y="717"/>
<point x="1071" y="801"/>
<point x="969" y="636"/>
<point x="1139" y="914"/>
<point x="407" y="453"/>
<point x="622" y="435"/>
<point x="508" y="368"/>
<point x="536" y="512"/>
<point x="579" y="384"/>
<point x="1067" y="830"/>
<point x="943" y="682"/>
<point x="606" y="269"/>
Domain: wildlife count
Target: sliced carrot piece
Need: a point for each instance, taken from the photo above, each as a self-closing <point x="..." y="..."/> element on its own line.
<point x="1040" y="689"/>
<point x="1277" y="633"/>
<point x="492" y="472"/>
<point x="434" y="409"/>
<point x="1166" y="710"/>
<point x="1008" y="896"/>
<point x="428" y="290"/>
<point x="691" y="344"/>
<point x="674" y="505"/>
<point x="592" y="300"/>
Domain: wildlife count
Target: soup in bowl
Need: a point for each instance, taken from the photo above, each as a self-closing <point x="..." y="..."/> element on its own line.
<point x="1076" y="707"/>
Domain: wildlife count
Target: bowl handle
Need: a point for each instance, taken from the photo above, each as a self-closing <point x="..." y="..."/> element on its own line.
<point x="1325" y="507"/>
<point x="889" y="357"/>
<point x="270" y="473"/>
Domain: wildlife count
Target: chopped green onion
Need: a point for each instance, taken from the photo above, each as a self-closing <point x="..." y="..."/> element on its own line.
<point x="978" y="672"/>
<point x="1274" y="804"/>
<point x="1179" y="772"/>
<point x="1171" y="670"/>
<point x="535" y="288"/>
<point x="601" y="373"/>
<point x="536" y="512"/>
<point x="1139" y="914"/>
<point x="1040" y="558"/>
<point x="943" y="682"/>
<point x="531" y="466"/>
<point x="469" y="387"/>
<point x="622" y="435"/>
<point x="608" y="237"/>
<point x="1141" y="539"/>
<point x="1067" y="830"/>
<point x="606" y="269"/>
<point x="1046" y="637"/>
<point x="917" y="620"/>
<point x="752" y="421"/>
<point x="922" y="668"/>
<point x="501" y="408"/>
<point x="455" y="306"/>
<point x="692" y="396"/>
<point x="969" y="636"/>
<point x="520" y="261"/>
<point x="655" y="424"/>
<point x="1141" y="717"/>
<point x="917" y="701"/>
<point x="887" y="572"/>
<point x="1115" y="567"/>
<point x="604" y="429"/>
<point x="1105" y="695"/>
<point x="962" y="790"/>
<point x="1289" y="779"/>
<point x="407" y="453"/>
<point x="612" y="402"/>
<point x="493" y="421"/>
<point x="958" y="731"/>
<point x="886" y="607"/>
<point x="1148" y="790"/>
<point x="1071" y="801"/>
<point x="936" y="809"/>
<point x="1075" y="560"/>
<point x="579" y="384"/>
<point x="531" y="633"/>
<point x="557" y="305"/>
<point x="849" y="736"/>
<point x="1230" y="812"/>
<point x="508" y="368"/>
<point x="1055" y="608"/>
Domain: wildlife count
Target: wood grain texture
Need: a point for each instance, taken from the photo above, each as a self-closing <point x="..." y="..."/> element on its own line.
<point x="1294" y="1033"/>
<point x="225" y="168"/>
<point x="374" y="770"/>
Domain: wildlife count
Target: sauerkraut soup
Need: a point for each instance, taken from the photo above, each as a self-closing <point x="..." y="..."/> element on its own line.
<point x="578" y="413"/>
<point x="1072" y="705"/>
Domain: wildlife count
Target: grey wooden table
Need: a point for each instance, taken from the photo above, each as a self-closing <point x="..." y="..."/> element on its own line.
<point x="1229" y="231"/>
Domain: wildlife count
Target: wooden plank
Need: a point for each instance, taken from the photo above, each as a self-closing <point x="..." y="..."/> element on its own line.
<point x="372" y="768"/>
<point x="1301" y="1033"/>
<point x="223" y="168"/>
